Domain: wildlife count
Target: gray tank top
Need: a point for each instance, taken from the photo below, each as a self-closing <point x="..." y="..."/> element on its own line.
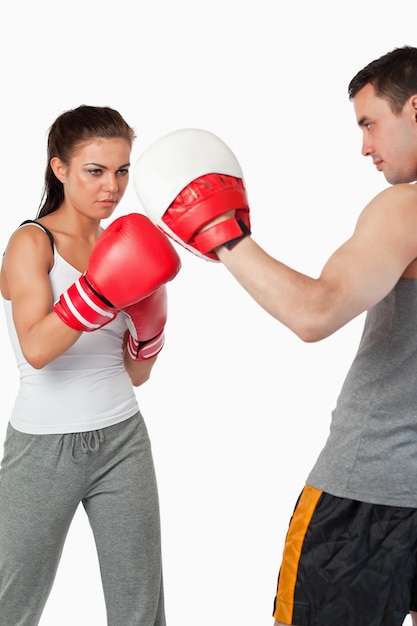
<point x="371" y="452"/>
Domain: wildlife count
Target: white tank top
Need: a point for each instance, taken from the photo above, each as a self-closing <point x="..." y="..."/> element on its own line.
<point x="84" y="389"/>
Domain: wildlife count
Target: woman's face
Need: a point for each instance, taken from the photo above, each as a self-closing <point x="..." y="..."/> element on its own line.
<point x="97" y="176"/>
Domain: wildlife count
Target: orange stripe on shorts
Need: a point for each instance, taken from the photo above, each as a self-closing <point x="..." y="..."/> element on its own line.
<point x="292" y="551"/>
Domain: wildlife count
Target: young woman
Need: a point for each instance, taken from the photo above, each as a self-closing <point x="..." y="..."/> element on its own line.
<point x="86" y="310"/>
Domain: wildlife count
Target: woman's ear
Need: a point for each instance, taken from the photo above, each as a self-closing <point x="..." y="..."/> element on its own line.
<point x="59" y="168"/>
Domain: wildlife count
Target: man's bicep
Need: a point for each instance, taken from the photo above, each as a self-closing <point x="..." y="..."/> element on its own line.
<point x="369" y="264"/>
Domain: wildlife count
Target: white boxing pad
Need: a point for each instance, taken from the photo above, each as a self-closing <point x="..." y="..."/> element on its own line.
<point x="172" y="162"/>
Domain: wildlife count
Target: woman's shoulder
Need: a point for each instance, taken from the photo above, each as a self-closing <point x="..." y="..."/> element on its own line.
<point x="28" y="254"/>
<point x="40" y="226"/>
<point x="31" y="241"/>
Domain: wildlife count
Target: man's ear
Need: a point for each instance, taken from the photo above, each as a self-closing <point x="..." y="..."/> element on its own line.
<point x="60" y="169"/>
<point x="413" y="101"/>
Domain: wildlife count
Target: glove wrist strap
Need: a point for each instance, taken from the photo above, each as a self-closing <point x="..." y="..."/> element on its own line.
<point x="142" y="350"/>
<point x="245" y="233"/>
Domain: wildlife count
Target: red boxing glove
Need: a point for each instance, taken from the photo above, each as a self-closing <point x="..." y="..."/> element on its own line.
<point x="146" y="321"/>
<point x="187" y="179"/>
<point x="81" y="308"/>
<point x="130" y="260"/>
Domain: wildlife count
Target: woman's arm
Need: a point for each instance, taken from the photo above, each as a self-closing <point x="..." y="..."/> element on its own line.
<point x="139" y="371"/>
<point x="25" y="281"/>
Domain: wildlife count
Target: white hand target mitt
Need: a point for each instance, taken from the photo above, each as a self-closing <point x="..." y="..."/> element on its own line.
<point x="184" y="181"/>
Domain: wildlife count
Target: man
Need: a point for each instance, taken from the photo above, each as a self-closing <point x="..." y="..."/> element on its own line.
<point x="351" y="549"/>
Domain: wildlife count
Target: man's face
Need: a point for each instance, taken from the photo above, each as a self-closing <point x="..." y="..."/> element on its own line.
<point x="389" y="139"/>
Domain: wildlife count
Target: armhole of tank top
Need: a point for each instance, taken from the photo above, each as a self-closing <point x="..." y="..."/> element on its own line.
<point x="45" y="230"/>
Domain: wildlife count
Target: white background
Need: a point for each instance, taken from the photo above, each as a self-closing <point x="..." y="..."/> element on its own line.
<point x="238" y="408"/>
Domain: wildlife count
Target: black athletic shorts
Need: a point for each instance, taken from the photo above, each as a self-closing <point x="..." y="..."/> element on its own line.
<point x="347" y="563"/>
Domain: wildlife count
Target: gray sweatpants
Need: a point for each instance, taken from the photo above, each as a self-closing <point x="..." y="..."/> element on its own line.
<point x="43" y="478"/>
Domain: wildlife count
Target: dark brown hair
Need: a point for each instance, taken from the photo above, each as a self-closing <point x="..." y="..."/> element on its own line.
<point x="67" y="133"/>
<point x="393" y="76"/>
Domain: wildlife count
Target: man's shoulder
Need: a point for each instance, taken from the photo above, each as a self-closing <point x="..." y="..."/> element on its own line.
<point x="395" y="203"/>
<point x="401" y="192"/>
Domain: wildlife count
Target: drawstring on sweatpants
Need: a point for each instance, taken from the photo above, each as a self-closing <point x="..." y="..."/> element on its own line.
<point x="89" y="441"/>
